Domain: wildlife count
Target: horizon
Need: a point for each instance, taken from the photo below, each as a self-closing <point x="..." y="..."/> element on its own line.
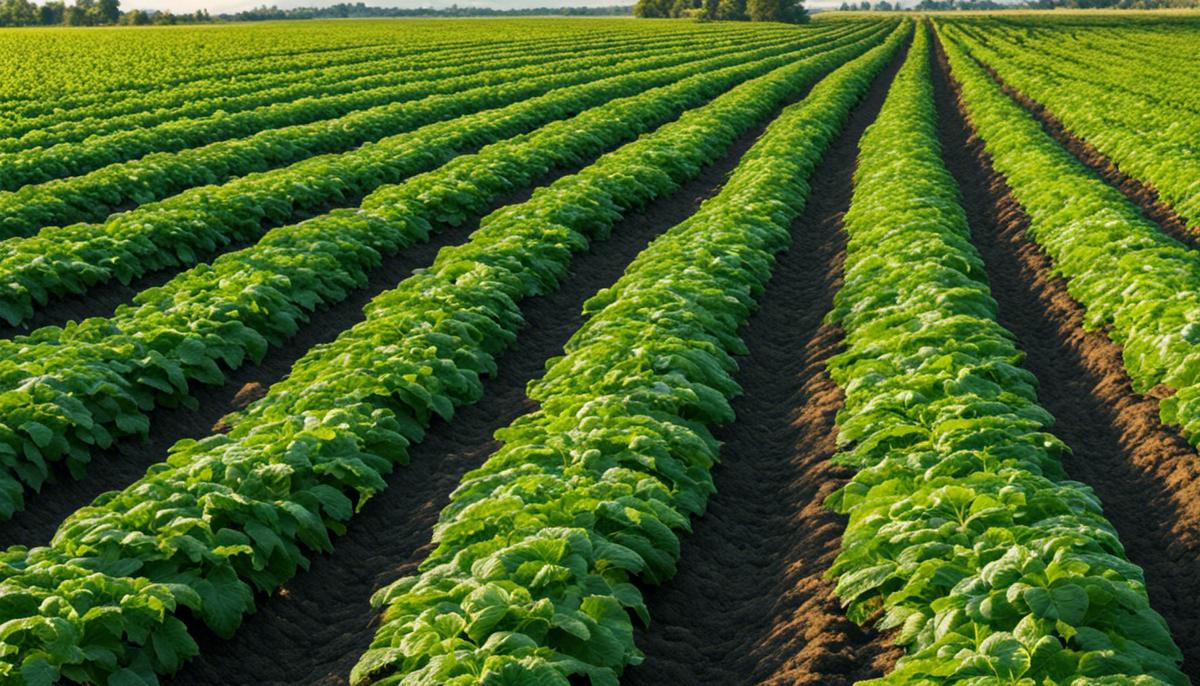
<point x="233" y="6"/>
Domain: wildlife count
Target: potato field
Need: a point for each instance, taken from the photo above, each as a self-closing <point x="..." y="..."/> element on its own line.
<point x="586" y="352"/>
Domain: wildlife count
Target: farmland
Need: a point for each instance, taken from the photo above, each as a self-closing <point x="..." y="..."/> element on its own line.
<point x="596" y="351"/>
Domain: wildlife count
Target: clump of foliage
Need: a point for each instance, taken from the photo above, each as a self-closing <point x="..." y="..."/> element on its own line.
<point x="789" y="11"/>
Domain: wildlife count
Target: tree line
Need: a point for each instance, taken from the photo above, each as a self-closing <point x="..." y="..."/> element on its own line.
<point x="361" y="10"/>
<point x="57" y="12"/>
<point x="108" y="13"/>
<point x="86" y="13"/>
<point x="790" y="11"/>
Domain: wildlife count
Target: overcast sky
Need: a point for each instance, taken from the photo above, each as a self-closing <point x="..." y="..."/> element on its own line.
<point x="218" y="6"/>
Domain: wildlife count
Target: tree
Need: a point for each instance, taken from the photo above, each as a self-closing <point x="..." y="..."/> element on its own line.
<point x="51" y="13"/>
<point x="91" y="13"/>
<point x="19" y="13"/>
<point x="77" y="14"/>
<point x="883" y="6"/>
<point x="135" y="18"/>
<point x="844" y="8"/>
<point x="652" y="9"/>
<point x="731" y="10"/>
<point x="776" y="10"/>
<point x="107" y="11"/>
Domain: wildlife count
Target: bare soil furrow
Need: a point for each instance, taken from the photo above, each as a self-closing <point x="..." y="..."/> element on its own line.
<point x="750" y="604"/>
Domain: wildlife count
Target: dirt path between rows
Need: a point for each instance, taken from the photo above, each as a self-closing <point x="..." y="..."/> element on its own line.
<point x="1140" y="193"/>
<point x="1146" y="475"/>
<point x="314" y="630"/>
<point x="750" y="604"/>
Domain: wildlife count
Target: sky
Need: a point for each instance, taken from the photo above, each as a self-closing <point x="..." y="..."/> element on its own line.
<point x="218" y="6"/>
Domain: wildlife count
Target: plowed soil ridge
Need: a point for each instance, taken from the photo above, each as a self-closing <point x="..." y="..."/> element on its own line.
<point x="1146" y="475"/>
<point x="1140" y="193"/>
<point x="314" y="629"/>
<point x="750" y="604"/>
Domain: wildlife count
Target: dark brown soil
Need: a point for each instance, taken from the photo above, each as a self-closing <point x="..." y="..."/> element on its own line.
<point x="1146" y="475"/>
<point x="1140" y="193"/>
<point x="128" y="460"/>
<point x="316" y="627"/>
<point x="750" y="604"/>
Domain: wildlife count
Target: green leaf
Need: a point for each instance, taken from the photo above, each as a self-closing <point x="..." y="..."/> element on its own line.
<point x="224" y="599"/>
<point x="1066" y="601"/>
<point x="41" y="434"/>
<point x="1005" y="655"/>
<point x="38" y="672"/>
<point x="127" y="677"/>
<point x="571" y="625"/>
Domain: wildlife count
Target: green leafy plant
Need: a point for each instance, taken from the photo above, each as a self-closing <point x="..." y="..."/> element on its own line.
<point x="1135" y="282"/>
<point x="531" y="580"/>
<point x="240" y="512"/>
<point x="1150" y="135"/>
<point x="189" y="227"/>
<point x="158" y="175"/>
<point x="964" y="538"/>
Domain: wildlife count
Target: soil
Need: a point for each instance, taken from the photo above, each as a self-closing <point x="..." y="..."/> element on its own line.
<point x="1140" y="193"/>
<point x="1146" y="474"/>
<point x="308" y="634"/>
<point x="750" y="604"/>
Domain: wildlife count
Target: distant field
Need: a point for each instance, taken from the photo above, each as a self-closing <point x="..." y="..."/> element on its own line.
<point x="598" y="351"/>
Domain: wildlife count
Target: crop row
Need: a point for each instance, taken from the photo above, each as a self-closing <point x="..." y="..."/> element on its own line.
<point x="531" y="579"/>
<point x="964" y="535"/>
<point x="126" y="143"/>
<point x="233" y="59"/>
<point x="159" y="67"/>
<point x="1121" y="56"/>
<point x="203" y="99"/>
<point x="114" y="80"/>
<point x="69" y="391"/>
<point x="237" y="512"/>
<point x="1146" y="137"/>
<point x="72" y="159"/>
<point x="93" y="195"/>
<point x="226" y="73"/>
<point x="1164" y="43"/>
<point x="192" y="225"/>
<point x="1135" y="282"/>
